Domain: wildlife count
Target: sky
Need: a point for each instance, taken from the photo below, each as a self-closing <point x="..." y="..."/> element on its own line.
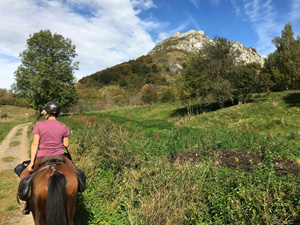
<point x="109" y="32"/>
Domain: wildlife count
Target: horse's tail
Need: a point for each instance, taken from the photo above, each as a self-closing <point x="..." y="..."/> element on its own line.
<point x="56" y="200"/>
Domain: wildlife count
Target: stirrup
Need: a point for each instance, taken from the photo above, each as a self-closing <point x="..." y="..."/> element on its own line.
<point x="26" y="210"/>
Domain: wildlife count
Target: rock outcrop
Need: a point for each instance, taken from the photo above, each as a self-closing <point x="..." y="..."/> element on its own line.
<point x="193" y="41"/>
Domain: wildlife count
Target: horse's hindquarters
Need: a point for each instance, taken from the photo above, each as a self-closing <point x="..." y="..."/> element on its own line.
<point x="54" y="196"/>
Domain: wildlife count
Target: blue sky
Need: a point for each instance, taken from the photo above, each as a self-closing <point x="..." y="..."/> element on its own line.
<point x="108" y="32"/>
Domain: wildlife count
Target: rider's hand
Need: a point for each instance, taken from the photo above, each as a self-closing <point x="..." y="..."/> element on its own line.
<point x="30" y="167"/>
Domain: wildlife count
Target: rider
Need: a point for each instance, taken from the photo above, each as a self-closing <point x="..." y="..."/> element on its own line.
<point x="50" y="136"/>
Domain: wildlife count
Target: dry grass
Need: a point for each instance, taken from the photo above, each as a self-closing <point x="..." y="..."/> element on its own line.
<point x="14" y="143"/>
<point x="9" y="207"/>
<point x="15" y="113"/>
<point x="8" y="159"/>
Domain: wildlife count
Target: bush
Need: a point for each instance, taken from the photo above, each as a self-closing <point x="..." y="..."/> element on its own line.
<point x="131" y="180"/>
<point x="149" y="94"/>
<point x="4" y="115"/>
<point x="7" y="101"/>
<point x="166" y="96"/>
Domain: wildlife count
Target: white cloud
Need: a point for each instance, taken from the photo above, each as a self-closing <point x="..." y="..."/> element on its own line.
<point x="263" y="17"/>
<point x="236" y="7"/>
<point x="215" y="2"/>
<point x="195" y="3"/>
<point x="295" y="9"/>
<point x="143" y="4"/>
<point x="7" y="71"/>
<point x="180" y="28"/>
<point x="105" y="32"/>
<point x="194" y="22"/>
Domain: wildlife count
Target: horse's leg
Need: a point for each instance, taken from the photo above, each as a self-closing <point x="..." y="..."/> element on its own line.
<point x="71" y="193"/>
<point x="38" y="208"/>
<point x="71" y="207"/>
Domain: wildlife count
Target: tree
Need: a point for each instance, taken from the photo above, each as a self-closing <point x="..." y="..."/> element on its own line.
<point x="284" y="63"/>
<point x="6" y="97"/>
<point x="148" y="94"/>
<point x="209" y="73"/>
<point x="47" y="70"/>
<point x="248" y="78"/>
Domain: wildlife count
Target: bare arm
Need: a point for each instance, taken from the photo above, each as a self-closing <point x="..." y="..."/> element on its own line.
<point x="66" y="142"/>
<point x="34" y="149"/>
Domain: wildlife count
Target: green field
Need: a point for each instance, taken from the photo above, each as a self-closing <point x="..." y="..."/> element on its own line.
<point x="12" y="116"/>
<point x="156" y="165"/>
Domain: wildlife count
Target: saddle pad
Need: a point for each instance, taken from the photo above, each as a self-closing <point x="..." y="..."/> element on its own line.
<point x="50" y="158"/>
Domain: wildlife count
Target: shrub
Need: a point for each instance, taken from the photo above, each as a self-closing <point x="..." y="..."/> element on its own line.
<point x="4" y="115"/>
<point x="149" y="94"/>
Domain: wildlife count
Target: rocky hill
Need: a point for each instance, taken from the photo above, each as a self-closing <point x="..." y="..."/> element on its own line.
<point x="158" y="68"/>
<point x="193" y="41"/>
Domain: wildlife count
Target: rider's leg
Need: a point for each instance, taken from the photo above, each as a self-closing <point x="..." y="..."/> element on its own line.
<point x="36" y="165"/>
<point x="68" y="162"/>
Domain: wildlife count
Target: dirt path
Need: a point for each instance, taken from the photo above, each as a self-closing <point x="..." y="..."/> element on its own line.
<point x="18" y="153"/>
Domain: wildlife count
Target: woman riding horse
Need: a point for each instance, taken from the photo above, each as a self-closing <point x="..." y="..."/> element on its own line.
<point x="50" y="138"/>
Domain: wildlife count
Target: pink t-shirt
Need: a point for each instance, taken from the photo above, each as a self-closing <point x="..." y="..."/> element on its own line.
<point x="52" y="133"/>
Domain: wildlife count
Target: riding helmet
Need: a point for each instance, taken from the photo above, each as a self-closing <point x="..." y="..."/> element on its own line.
<point x="52" y="108"/>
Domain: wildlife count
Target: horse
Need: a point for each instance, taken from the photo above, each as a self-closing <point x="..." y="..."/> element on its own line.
<point x="54" y="195"/>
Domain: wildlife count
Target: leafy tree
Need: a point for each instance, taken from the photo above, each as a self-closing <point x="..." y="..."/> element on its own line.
<point x="123" y="83"/>
<point x="47" y="70"/>
<point x="105" y="77"/>
<point x="148" y="94"/>
<point x="210" y="72"/>
<point x="154" y="68"/>
<point x="6" y="97"/>
<point x="248" y="78"/>
<point x="5" y="93"/>
<point x="284" y="63"/>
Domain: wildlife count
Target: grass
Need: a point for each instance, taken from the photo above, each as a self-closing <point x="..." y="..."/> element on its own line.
<point x="16" y="116"/>
<point x="14" y="143"/>
<point x="8" y="159"/>
<point x="19" y="132"/>
<point x="273" y="116"/>
<point x="8" y="187"/>
<point x="12" y="208"/>
<point x="130" y="180"/>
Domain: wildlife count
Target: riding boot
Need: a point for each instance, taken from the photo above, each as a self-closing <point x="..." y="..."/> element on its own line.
<point x="26" y="209"/>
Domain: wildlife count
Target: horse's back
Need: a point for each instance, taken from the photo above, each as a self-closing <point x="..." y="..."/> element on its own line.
<point x="41" y="181"/>
<point x="71" y="180"/>
<point x="38" y="200"/>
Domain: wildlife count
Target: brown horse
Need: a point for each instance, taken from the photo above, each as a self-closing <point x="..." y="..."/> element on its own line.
<point x="54" y="195"/>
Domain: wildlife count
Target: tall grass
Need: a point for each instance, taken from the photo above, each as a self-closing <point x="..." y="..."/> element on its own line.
<point x="131" y="181"/>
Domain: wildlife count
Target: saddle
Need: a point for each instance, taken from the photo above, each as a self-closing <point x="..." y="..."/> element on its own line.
<point x="24" y="189"/>
<point x="19" y="168"/>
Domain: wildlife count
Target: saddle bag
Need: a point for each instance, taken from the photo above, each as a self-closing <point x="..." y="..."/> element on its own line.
<point x="24" y="189"/>
<point x="19" y="168"/>
<point x="81" y="180"/>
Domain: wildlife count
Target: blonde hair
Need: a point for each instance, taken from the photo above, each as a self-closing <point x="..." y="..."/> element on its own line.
<point x="45" y="114"/>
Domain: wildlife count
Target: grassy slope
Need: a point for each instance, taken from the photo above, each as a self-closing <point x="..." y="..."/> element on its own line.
<point x="130" y="180"/>
<point x="274" y="116"/>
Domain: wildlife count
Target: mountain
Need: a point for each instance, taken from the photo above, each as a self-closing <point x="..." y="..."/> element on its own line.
<point x="193" y="41"/>
<point x="159" y="67"/>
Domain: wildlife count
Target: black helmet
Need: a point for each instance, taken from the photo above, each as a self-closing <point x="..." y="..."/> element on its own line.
<point x="52" y="108"/>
